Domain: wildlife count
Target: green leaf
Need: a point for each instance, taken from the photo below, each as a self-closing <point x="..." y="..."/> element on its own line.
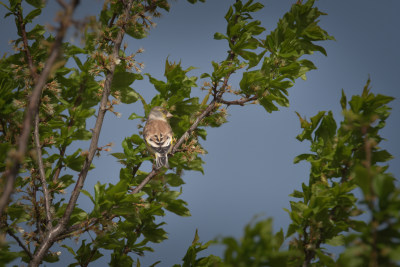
<point x="134" y="116"/>
<point x="119" y="155"/>
<point x="33" y="14"/>
<point x="155" y="235"/>
<point x="291" y="230"/>
<point x="297" y="194"/>
<point x="383" y="185"/>
<point x="362" y="179"/>
<point x="69" y="249"/>
<point x="36" y="3"/>
<point x="86" y="193"/>
<point x="336" y="241"/>
<point x="174" y="179"/>
<point x="51" y="257"/>
<point x="17" y="213"/>
<point x="267" y="104"/>
<point x="327" y="128"/>
<point x="205" y="75"/>
<point x="229" y="14"/>
<point x="253" y="8"/>
<point x="381" y="156"/>
<point x="36" y="32"/>
<point x="343" y="100"/>
<point x="129" y="96"/>
<point x="121" y="84"/>
<point x="302" y="157"/>
<point x="75" y="161"/>
<point x="324" y="259"/>
<point x="219" y="36"/>
<point x="137" y="31"/>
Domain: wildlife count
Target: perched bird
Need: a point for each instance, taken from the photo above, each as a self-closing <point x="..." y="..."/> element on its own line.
<point x="157" y="135"/>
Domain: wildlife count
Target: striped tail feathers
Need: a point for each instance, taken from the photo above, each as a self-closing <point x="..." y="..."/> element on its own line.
<point x="161" y="148"/>
<point x="161" y="160"/>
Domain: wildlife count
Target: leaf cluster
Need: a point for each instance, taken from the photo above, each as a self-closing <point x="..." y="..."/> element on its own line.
<point x="88" y="81"/>
<point x="347" y="178"/>
<point x="274" y="62"/>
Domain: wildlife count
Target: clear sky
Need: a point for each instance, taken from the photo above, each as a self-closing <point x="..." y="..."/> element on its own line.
<point x="249" y="167"/>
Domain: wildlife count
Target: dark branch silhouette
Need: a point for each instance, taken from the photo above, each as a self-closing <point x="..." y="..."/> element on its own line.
<point x="18" y="157"/>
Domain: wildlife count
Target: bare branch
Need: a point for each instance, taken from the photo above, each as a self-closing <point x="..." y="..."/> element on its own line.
<point x="42" y="174"/>
<point x="239" y="102"/>
<point x="18" y="156"/>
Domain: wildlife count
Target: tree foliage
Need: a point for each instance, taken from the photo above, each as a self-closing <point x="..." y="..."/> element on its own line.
<point x="51" y="88"/>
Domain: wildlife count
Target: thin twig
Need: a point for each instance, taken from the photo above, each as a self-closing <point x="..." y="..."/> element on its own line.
<point x="84" y="226"/>
<point x="36" y="209"/>
<point x="204" y="114"/>
<point x="135" y="169"/>
<point x="42" y="174"/>
<point x="239" y="102"/>
<point x="145" y="181"/>
<point x="110" y="24"/>
<point x="63" y="4"/>
<point x="28" y="56"/>
<point x="20" y="243"/>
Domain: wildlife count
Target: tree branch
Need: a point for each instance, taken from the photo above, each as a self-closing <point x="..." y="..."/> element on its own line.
<point x="42" y="174"/>
<point x="204" y="114"/>
<point x="145" y="181"/>
<point x="36" y="209"/>
<point x="99" y="122"/>
<point x="60" y="227"/>
<point x="239" y="102"/>
<point x="18" y="156"/>
<point x="84" y="226"/>
<point x="28" y="56"/>
<point x="20" y="243"/>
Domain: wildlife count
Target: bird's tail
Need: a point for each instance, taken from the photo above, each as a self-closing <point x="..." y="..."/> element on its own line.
<point x="161" y="160"/>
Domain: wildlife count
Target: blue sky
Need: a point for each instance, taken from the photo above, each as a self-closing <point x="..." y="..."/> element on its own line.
<point x="249" y="167"/>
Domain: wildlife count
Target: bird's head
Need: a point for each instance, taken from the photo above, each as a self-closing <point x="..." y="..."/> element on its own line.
<point x="159" y="113"/>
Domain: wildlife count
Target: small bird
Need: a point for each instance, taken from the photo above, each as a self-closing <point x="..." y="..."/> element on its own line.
<point x="157" y="135"/>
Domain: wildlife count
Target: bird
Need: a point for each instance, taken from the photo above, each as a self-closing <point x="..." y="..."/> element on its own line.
<point x="158" y="135"/>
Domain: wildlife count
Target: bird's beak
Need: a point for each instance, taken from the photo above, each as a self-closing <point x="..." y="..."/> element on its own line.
<point x="169" y="115"/>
